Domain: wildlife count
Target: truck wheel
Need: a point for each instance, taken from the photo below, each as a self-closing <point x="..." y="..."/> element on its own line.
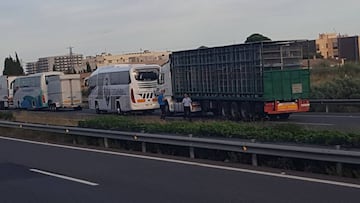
<point x="245" y="111"/>
<point x="273" y="117"/>
<point x="52" y="107"/>
<point x="234" y="111"/>
<point x="224" y="110"/>
<point x="78" y="108"/>
<point x="284" y="116"/>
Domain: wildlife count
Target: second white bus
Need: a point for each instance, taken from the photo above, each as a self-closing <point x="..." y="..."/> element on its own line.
<point x="123" y="88"/>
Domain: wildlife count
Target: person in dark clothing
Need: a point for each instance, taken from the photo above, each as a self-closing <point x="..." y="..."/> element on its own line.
<point x="162" y="103"/>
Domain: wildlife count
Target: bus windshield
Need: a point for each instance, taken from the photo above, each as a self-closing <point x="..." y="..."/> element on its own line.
<point x="147" y="75"/>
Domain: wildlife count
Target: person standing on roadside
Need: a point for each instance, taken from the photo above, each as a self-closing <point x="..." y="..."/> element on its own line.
<point x="162" y="103"/>
<point x="187" y="105"/>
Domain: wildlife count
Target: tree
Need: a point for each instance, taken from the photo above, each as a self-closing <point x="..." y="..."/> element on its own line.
<point x="88" y="67"/>
<point x="13" y="67"/>
<point x="256" y="37"/>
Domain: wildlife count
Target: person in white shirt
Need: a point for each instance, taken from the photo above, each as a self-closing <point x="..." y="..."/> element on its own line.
<point x="187" y="105"/>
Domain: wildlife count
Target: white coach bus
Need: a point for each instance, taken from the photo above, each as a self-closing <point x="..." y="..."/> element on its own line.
<point x="30" y="92"/>
<point x="123" y="88"/>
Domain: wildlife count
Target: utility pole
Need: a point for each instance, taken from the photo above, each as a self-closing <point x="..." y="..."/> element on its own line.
<point x="71" y="66"/>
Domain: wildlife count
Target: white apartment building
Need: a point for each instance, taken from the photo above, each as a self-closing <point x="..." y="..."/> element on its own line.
<point x="64" y="63"/>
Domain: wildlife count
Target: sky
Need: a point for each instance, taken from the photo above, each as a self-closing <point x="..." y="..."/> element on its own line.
<point x="41" y="28"/>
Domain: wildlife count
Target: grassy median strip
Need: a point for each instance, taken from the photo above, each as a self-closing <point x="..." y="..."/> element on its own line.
<point x="274" y="133"/>
<point x="6" y="116"/>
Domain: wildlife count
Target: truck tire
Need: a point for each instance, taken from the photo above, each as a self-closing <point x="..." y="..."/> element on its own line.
<point x="284" y="116"/>
<point x="52" y="107"/>
<point x="234" y="111"/>
<point x="224" y="110"/>
<point x="245" y="111"/>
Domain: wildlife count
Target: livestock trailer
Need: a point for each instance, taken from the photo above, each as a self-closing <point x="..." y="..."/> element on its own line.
<point x="244" y="81"/>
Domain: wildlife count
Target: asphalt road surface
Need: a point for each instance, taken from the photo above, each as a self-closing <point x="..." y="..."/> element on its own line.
<point x="34" y="172"/>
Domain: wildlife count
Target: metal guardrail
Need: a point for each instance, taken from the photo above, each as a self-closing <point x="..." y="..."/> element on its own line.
<point x="293" y="151"/>
<point x="335" y="101"/>
<point x="328" y="102"/>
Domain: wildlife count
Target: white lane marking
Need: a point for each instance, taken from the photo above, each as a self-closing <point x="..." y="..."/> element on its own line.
<point x="192" y="163"/>
<point x="325" y="116"/>
<point x="64" y="177"/>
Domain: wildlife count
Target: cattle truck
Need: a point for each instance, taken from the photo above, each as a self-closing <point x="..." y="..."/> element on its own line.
<point x="242" y="81"/>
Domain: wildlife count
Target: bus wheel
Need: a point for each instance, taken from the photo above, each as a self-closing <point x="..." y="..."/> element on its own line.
<point x="97" y="110"/>
<point x="118" y="109"/>
<point x="52" y="107"/>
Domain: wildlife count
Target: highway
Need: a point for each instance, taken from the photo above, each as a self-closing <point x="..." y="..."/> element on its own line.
<point x="346" y="122"/>
<point x="41" y="172"/>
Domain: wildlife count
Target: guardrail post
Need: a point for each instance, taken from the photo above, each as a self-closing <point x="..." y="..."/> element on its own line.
<point x="106" y="144"/>
<point x="338" y="165"/>
<point x="327" y="108"/>
<point x="191" y="150"/>
<point x="254" y="161"/>
<point x="143" y="147"/>
<point x="74" y="140"/>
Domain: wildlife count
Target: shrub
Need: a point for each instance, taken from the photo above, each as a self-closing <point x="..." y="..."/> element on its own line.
<point x="277" y="133"/>
<point x="6" y="116"/>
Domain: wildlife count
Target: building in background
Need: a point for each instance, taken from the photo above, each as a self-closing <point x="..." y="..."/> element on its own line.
<point x="31" y="67"/>
<point x="64" y="63"/>
<point x="146" y="57"/>
<point x="327" y="45"/>
<point x="45" y="64"/>
<point x="339" y="47"/>
<point x="349" y="48"/>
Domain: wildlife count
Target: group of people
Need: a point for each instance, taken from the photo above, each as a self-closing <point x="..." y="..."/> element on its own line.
<point x="186" y="102"/>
